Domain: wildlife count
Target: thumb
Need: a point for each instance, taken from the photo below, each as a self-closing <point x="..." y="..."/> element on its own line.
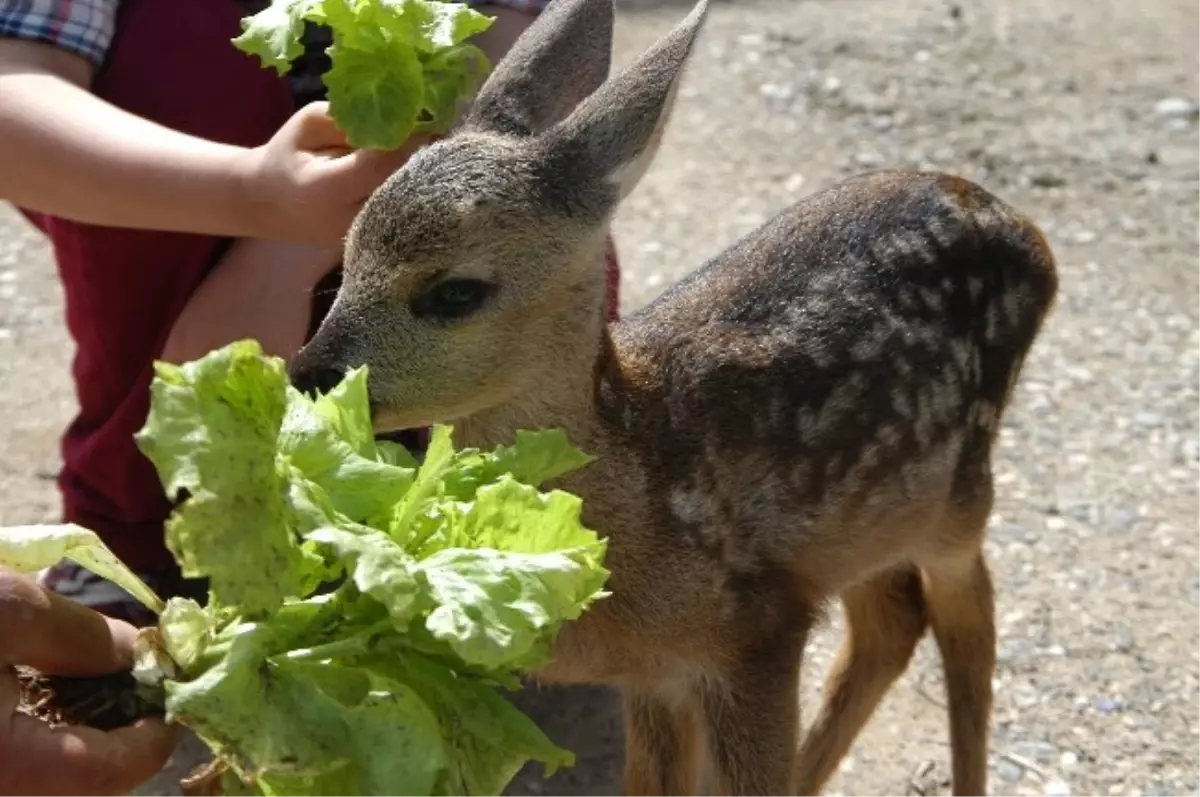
<point x="364" y="170"/>
<point x="137" y="752"/>
<point x="81" y="760"/>
<point x="312" y="129"/>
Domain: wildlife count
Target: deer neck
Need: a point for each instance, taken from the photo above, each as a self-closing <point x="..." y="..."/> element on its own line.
<point x="566" y="400"/>
<point x="575" y="396"/>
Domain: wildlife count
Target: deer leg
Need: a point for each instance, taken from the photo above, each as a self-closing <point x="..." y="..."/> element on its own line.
<point x="660" y="744"/>
<point x="885" y="619"/>
<point x="751" y="719"/>
<point x="962" y="614"/>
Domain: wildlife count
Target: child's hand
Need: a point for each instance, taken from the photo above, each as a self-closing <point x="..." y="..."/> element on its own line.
<point x="306" y="184"/>
<point x="260" y="290"/>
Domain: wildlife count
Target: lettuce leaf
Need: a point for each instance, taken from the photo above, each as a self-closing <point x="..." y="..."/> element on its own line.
<point x="26" y="549"/>
<point x="397" y="66"/>
<point x="365" y="610"/>
<point x="213" y="436"/>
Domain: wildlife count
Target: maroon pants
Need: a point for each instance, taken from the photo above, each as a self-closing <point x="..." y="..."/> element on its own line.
<point x="172" y="63"/>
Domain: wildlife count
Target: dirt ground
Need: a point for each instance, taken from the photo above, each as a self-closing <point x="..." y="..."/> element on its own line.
<point x="1082" y="113"/>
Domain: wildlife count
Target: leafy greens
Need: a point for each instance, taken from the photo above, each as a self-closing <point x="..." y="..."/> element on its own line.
<point x="397" y="66"/>
<point x="363" y="609"/>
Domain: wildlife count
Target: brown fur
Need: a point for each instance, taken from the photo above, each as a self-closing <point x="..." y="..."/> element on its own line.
<point x="809" y="415"/>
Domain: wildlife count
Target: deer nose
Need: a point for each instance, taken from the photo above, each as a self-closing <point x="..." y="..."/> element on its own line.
<point x="315" y="379"/>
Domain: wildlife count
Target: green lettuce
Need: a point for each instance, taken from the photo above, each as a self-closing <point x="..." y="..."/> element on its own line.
<point x="397" y="66"/>
<point x="365" y="611"/>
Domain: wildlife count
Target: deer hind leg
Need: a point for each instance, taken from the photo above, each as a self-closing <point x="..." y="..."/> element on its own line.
<point x="885" y="618"/>
<point x="751" y="717"/>
<point x="661" y="743"/>
<point x="962" y="614"/>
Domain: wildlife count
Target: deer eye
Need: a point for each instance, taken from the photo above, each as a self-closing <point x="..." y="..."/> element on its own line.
<point x="453" y="298"/>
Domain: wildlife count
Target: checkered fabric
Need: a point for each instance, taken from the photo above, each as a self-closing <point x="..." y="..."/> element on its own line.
<point x="84" y="27"/>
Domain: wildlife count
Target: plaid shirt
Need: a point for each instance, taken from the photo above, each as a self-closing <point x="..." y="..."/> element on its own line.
<point x="84" y="27"/>
<point x="87" y="27"/>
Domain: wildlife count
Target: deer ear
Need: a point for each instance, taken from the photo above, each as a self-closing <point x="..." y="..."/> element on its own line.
<point x="561" y="58"/>
<point x="612" y="137"/>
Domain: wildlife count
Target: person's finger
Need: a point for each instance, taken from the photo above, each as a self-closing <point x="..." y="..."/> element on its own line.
<point x="43" y="630"/>
<point x="38" y="759"/>
<point x="314" y="130"/>
<point x="361" y="172"/>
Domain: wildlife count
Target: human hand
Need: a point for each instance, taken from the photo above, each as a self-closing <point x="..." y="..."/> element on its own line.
<point x="42" y="630"/>
<point x="260" y="290"/>
<point x="306" y="184"/>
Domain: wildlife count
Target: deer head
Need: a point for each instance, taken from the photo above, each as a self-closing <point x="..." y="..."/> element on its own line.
<point x="473" y="274"/>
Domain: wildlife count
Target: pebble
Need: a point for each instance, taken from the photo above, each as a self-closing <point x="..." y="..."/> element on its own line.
<point x="1008" y="771"/>
<point x="1123" y="641"/>
<point x="1048" y="180"/>
<point x="1043" y="752"/>
<point x="1056" y="788"/>
<point x="777" y="91"/>
<point x="794" y="183"/>
<point x="1120" y="520"/>
<point x="1176" y="108"/>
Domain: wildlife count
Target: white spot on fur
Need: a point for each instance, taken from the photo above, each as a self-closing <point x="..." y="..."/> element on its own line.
<point x="985" y="415"/>
<point x="909" y="299"/>
<point x="888" y="435"/>
<point x="1012" y="301"/>
<point x="693" y="507"/>
<point x="923" y="422"/>
<point x="961" y="351"/>
<point x="932" y="298"/>
<point x="834" y="466"/>
<point x="991" y="323"/>
<point x="975" y="286"/>
<point x="943" y="236"/>
<point x="929" y="336"/>
<point x="870" y="345"/>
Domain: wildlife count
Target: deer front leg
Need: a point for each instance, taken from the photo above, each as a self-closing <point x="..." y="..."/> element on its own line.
<point x="751" y="719"/>
<point x="660" y="743"/>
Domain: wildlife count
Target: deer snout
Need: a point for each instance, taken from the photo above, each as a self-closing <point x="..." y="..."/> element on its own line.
<point x="313" y="378"/>
<point x="321" y="363"/>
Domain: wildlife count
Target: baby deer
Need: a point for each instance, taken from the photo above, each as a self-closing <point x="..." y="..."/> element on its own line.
<point x="809" y="415"/>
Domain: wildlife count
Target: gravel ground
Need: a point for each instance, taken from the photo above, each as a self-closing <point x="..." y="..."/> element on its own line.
<point x="1081" y="113"/>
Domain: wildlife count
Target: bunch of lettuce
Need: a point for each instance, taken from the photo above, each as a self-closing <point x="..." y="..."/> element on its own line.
<point x="397" y="66"/>
<point x="364" y="610"/>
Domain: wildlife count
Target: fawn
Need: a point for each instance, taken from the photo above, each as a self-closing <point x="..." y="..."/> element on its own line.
<point x="809" y="415"/>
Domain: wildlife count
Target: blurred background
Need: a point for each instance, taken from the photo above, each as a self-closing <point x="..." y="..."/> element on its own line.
<point x="1082" y="113"/>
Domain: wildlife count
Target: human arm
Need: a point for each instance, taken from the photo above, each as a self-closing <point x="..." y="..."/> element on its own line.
<point x="64" y="150"/>
<point x="56" y="636"/>
<point x="260" y="290"/>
